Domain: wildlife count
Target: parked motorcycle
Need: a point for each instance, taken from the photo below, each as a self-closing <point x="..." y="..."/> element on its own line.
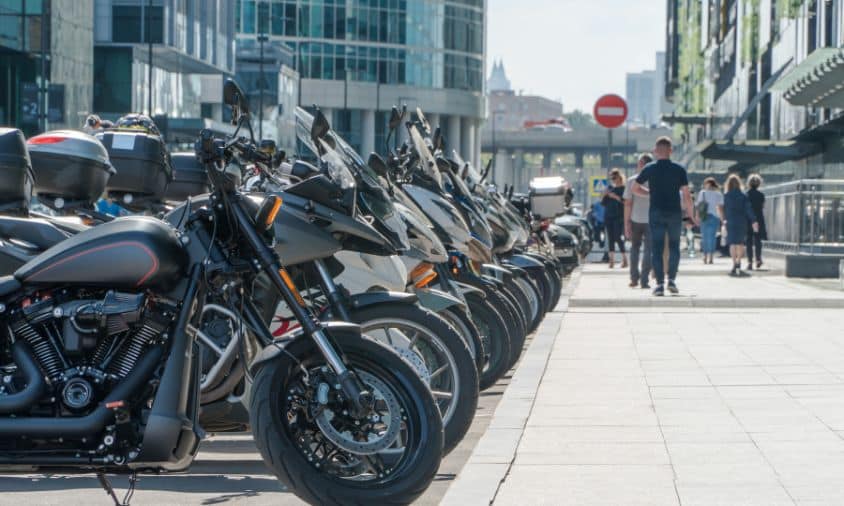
<point x="104" y="365"/>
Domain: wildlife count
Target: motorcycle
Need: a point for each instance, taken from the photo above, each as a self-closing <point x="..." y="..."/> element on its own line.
<point x="103" y="365"/>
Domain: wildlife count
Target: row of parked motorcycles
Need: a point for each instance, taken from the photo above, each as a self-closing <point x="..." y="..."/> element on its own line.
<point x="347" y="312"/>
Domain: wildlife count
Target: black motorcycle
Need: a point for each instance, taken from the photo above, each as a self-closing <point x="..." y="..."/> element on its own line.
<point x="102" y="368"/>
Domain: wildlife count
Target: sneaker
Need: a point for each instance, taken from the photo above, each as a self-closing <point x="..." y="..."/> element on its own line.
<point x="759" y="264"/>
<point x="750" y="266"/>
<point x="646" y="286"/>
<point x="672" y="287"/>
<point x="633" y="283"/>
<point x="659" y="291"/>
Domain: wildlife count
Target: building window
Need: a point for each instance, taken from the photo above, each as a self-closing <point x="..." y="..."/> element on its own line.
<point x="112" y="80"/>
<point x="126" y="23"/>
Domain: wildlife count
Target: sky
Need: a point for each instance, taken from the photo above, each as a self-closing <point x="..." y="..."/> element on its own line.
<point x="574" y="50"/>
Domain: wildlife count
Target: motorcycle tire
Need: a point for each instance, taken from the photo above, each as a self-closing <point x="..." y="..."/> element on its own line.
<point x="453" y="376"/>
<point x="528" y="299"/>
<point x="540" y="278"/>
<point x="458" y="317"/>
<point x="496" y="339"/>
<point x="519" y="329"/>
<point x="278" y="426"/>
<point x="557" y="281"/>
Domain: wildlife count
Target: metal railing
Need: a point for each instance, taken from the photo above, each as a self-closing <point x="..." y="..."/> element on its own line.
<point x="806" y="215"/>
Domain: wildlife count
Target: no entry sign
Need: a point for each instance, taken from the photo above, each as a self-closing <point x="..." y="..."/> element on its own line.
<point x="610" y="111"/>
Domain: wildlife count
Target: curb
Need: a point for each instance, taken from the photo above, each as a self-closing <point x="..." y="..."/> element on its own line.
<point x="478" y="482"/>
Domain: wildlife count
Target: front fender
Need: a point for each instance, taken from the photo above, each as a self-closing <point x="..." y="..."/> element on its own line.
<point x="466" y="289"/>
<point x="501" y="273"/>
<point x="526" y="262"/>
<point x="293" y="342"/>
<point x="437" y="300"/>
<point x="366" y="299"/>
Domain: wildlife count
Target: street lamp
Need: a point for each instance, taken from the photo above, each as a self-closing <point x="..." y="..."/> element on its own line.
<point x="262" y="38"/>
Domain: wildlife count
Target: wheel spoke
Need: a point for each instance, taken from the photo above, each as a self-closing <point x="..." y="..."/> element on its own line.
<point x="442" y="395"/>
<point x="414" y="340"/>
<point x="439" y="371"/>
<point x="389" y="336"/>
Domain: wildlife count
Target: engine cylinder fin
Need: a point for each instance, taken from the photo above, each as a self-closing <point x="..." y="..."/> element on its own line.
<point x="133" y="348"/>
<point x="44" y="350"/>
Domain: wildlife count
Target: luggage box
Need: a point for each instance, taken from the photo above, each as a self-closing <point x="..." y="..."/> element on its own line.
<point x="142" y="163"/>
<point x="70" y="165"/>
<point x="547" y="196"/>
<point x="15" y="171"/>
<point x="189" y="178"/>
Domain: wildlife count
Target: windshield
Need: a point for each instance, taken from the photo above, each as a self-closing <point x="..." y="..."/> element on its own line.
<point x="334" y="165"/>
<point x="341" y="158"/>
<point x="426" y="159"/>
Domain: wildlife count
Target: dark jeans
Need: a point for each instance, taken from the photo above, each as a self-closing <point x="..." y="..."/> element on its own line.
<point x="663" y="223"/>
<point x="615" y="229"/>
<point x="754" y="240"/>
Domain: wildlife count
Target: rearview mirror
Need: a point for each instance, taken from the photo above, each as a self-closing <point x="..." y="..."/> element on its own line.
<point x="377" y="164"/>
<point x="320" y="127"/>
<point x="438" y="139"/>
<point x="234" y="97"/>
<point x="396" y="117"/>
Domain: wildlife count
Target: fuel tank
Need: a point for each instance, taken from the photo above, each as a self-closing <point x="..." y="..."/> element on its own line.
<point x="128" y="253"/>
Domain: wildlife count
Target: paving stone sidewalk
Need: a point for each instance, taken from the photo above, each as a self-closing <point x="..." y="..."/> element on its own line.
<point x="658" y="404"/>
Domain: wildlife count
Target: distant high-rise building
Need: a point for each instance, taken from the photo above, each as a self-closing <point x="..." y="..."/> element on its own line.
<point x="498" y="81"/>
<point x="645" y="94"/>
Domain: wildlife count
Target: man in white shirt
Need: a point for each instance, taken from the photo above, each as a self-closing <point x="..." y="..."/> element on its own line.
<point x="636" y="228"/>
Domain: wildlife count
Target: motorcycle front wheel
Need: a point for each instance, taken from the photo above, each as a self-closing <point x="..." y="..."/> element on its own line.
<point x="438" y="354"/>
<point x="495" y="337"/>
<point x="326" y="455"/>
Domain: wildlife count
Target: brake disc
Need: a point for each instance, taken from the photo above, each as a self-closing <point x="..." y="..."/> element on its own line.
<point x="385" y="425"/>
<point x="416" y="362"/>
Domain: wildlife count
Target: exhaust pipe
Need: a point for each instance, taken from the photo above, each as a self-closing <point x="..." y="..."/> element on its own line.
<point x="70" y="428"/>
<point x="23" y="400"/>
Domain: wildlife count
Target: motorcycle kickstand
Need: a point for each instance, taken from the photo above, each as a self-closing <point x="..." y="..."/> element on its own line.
<point x="133" y="480"/>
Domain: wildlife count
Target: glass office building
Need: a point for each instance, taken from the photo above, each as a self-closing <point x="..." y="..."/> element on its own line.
<point x="358" y="58"/>
<point x="46" y="63"/>
<point x="192" y="48"/>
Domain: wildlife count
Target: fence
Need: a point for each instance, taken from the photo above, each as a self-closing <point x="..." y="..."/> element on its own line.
<point x="806" y="215"/>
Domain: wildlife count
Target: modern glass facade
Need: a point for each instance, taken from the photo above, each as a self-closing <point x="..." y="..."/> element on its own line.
<point x="190" y="38"/>
<point x="357" y="58"/>
<point x="46" y="63"/>
<point x="427" y="44"/>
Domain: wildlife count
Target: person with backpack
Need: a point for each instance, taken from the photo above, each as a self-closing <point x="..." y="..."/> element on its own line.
<point x="709" y="206"/>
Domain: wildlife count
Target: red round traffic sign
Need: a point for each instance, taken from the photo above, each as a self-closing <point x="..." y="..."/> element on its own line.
<point x="610" y="111"/>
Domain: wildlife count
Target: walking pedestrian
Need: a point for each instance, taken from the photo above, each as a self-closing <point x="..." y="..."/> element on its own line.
<point x="709" y="202"/>
<point x="613" y="202"/>
<point x="737" y="214"/>
<point x="636" y="228"/>
<point x="666" y="182"/>
<point x="755" y="238"/>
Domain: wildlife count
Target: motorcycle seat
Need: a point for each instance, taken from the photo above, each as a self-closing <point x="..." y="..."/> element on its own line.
<point x="38" y="233"/>
<point x="8" y="285"/>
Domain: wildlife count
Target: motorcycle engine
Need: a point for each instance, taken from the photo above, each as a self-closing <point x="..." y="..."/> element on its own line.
<point x="84" y="345"/>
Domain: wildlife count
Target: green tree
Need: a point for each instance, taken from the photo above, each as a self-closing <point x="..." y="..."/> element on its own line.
<point x="579" y="119"/>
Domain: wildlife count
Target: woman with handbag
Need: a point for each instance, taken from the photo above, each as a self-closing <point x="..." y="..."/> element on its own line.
<point x="708" y="205"/>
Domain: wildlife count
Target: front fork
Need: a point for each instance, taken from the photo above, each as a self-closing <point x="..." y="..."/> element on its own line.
<point x="267" y="261"/>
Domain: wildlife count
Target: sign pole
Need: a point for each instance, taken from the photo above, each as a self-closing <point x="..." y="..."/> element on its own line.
<point x="609" y="150"/>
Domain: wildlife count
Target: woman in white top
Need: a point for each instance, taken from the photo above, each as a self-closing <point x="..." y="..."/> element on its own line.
<point x="709" y="202"/>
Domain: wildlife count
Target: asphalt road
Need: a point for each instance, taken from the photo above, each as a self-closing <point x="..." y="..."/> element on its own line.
<point x="228" y="470"/>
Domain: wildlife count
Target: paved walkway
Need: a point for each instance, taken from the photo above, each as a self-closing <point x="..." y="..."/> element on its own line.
<point x="624" y="399"/>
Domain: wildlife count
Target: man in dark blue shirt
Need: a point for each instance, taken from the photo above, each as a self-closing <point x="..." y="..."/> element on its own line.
<point x="666" y="182"/>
